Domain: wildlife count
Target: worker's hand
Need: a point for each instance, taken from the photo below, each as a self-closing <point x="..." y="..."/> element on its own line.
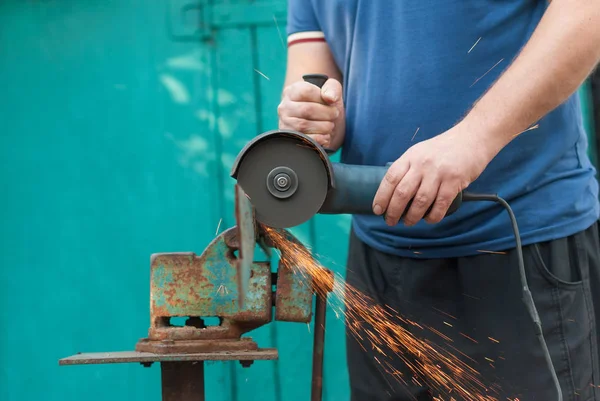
<point x="317" y="112"/>
<point x="432" y="172"/>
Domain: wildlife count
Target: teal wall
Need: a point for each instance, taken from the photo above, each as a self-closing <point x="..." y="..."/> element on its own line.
<point x="119" y="127"/>
<point x="585" y="96"/>
<point x="120" y="123"/>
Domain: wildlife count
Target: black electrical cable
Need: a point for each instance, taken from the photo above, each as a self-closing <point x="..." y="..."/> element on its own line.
<point x="527" y="297"/>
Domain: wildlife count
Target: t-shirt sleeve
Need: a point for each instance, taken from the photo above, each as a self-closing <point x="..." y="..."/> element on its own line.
<point x="302" y="23"/>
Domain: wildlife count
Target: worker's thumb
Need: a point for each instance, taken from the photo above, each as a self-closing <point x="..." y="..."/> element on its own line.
<point x="331" y="92"/>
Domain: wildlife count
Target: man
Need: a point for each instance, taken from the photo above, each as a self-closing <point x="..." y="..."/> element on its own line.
<point x="458" y="94"/>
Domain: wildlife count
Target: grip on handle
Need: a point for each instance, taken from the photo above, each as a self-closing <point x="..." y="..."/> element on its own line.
<point x="356" y="186"/>
<point x="318" y="80"/>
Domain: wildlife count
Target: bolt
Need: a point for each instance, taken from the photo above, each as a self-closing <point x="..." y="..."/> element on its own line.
<point x="282" y="181"/>
<point x="146" y="364"/>
<point x="246" y="364"/>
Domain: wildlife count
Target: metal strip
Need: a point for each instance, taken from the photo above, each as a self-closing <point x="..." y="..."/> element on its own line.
<point x="146" y="357"/>
<point x="246" y="225"/>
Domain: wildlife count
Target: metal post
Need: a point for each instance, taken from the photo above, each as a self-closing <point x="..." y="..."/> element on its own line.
<point x="318" y="347"/>
<point x="182" y="381"/>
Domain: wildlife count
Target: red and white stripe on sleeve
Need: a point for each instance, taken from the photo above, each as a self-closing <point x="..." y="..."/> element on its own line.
<point x="303" y="37"/>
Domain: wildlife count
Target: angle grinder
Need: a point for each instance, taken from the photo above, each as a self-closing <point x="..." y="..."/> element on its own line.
<point x="289" y="178"/>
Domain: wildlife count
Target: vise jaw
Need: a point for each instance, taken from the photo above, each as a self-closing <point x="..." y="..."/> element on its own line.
<point x="224" y="282"/>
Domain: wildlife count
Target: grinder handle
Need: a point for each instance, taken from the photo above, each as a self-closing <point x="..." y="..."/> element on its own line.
<point x="318" y="80"/>
<point x="355" y="189"/>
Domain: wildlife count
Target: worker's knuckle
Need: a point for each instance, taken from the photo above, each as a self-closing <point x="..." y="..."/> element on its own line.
<point x="410" y="221"/>
<point x="421" y="201"/>
<point x="281" y="108"/>
<point x="434" y="217"/>
<point x="400" y="192"/>
<point x="304" y="125"/>
<point x="443" y="202"/>
<point x="391" y="177"/>
<point x="303" y="92"/>
<point x="333" y="113"/>
<point x="391" y="217"/>
<point x="293" y="93"/>
<point x="329" y="126"/>
<point x="304" y="110"/>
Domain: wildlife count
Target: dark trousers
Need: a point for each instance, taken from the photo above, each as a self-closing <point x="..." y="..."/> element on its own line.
<point x="473" y="308"/>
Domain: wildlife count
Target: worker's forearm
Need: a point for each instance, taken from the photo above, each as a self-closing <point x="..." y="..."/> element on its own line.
<point x="561" y="53"/>
<point x="310" y="58"/>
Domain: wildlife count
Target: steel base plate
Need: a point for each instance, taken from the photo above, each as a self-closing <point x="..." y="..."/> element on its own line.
<point x="96" y="358"/>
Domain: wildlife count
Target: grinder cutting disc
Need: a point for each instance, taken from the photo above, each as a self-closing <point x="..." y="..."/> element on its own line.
<point x="285" y="179"/>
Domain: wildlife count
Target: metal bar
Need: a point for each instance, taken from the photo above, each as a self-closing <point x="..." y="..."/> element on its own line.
<point x="318" y="347"/>
<point x="182" y="381"/>
<point x="246" y="227"/>
<point x="147" y="357"/>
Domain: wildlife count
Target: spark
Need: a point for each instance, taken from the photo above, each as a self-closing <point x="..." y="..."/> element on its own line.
<point x="488" y="71"/>
<point x="471" y="296"/>
<point x="571" y="320"/>
<point x="528" y="129"/>
<point x="448" y="324"/>
<point x="466" y="336"/>
<point x="279" y="31"/>
<point x="383" y="329"/>
<point x="415" y="134"/>
<point x="488" y="359"/>
<point x="267" y="78"/>
<point x="445" y="337"/>
<point x="219" y="226"/>
<point x="494" y="340"/>
<point x="494" y="252"/>
<point x="447" y="314"/>
<point x="472" y="47"/>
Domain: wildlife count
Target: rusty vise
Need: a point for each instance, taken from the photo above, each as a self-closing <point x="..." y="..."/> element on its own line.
<point x="226" y="284"/>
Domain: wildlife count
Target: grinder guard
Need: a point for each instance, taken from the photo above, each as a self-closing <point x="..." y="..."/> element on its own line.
<point x="286" y="176"/>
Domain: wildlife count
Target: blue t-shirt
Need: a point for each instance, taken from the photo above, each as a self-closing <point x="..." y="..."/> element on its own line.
<point x="411" y="70"/>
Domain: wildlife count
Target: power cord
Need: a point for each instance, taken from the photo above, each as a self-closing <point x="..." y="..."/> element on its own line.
<point x="527" y="297"/>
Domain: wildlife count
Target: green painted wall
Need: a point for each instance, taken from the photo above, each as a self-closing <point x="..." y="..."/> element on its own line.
<point x="119" y="127"/>
<point x="120" y="122"/>
<point x="585" y="96"/>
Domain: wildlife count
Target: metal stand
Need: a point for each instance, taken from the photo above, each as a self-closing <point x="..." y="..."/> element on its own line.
<point x="182" y="381"/>
<point x="182" y="375"/>
<point x="316" y="393"/>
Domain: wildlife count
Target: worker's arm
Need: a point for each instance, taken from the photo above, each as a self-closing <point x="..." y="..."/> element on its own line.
<point x="306" y="108"/>
<point x="561" y="53"/>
